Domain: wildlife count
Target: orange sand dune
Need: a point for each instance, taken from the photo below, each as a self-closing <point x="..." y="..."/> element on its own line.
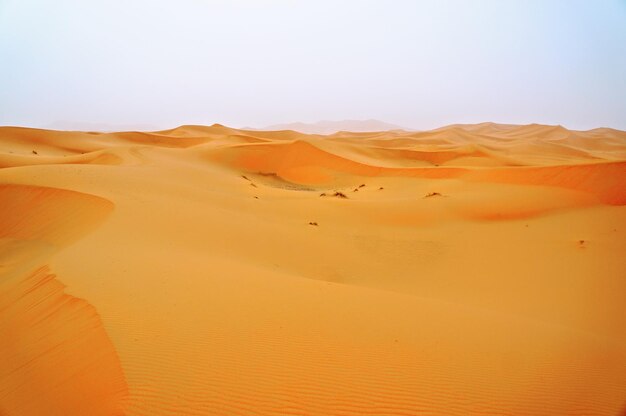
<point x="206" y="270"/>
<point x="56" y="357"/>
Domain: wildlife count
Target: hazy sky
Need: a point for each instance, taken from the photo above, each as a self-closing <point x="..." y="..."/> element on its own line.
<point x="418" y="64"/>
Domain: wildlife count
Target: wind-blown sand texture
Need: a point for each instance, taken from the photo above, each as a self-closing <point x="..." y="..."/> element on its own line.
<point x="468" y="270"/>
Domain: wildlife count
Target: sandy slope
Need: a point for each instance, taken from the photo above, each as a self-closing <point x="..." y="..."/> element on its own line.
<point x="473" y="269"/>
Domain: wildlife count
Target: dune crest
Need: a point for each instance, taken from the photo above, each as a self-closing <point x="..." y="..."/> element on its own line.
<point x="56" y="356"/>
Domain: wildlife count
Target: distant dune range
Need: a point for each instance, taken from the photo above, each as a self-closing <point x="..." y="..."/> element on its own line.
<point x="332" y="126"/>
<point x="206" y="270"/>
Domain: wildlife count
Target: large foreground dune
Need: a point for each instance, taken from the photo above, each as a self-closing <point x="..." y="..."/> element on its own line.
<point x="468" y="270"/>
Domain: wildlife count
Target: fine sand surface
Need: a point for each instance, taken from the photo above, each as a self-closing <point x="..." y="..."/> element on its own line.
<point x="468" y="270"/>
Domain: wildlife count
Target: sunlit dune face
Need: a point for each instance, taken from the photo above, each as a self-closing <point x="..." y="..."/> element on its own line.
<point x="474" y="269"/>
<point x="57" y="358"/>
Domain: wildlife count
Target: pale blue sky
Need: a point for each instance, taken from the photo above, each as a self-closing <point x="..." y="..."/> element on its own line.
<point x="419" y="64"/>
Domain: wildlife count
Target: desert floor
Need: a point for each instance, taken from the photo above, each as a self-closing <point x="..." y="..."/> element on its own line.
<point x="468" y="270"/>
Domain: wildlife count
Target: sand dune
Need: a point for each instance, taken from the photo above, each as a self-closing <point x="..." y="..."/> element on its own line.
<point x="205" y="270"/>
<point x="330" y="127"/>
<point x="56" y="357"/>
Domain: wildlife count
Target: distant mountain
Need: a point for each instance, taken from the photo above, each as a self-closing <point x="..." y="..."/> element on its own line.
<point x="330" y="127"/>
